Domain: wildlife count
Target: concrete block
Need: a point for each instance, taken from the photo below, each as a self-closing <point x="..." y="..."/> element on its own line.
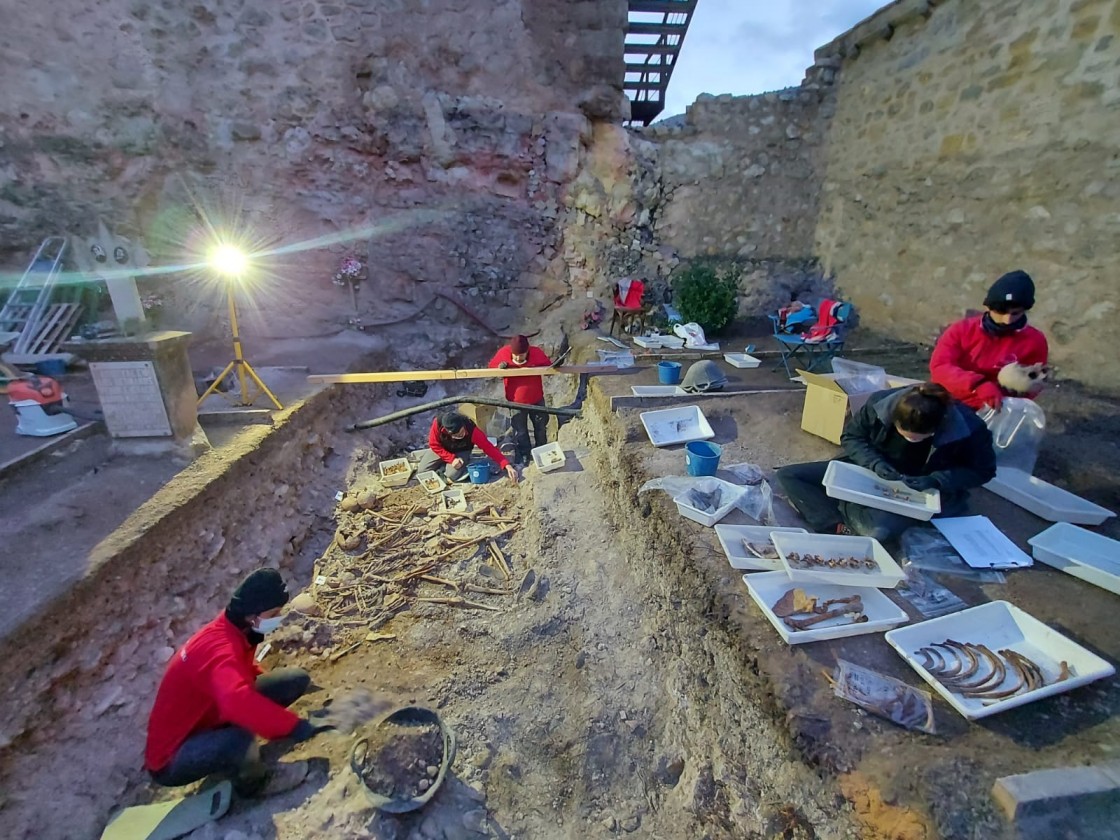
<point x="1085" y="800"/>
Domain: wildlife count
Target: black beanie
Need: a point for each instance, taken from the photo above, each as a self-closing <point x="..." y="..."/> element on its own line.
<point x="260" y="592"/>
<point x="454" y="422"/>
<point x="1014" y="289"/>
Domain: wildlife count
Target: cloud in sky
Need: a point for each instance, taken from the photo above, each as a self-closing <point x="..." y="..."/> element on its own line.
<point x="741" y="47"/>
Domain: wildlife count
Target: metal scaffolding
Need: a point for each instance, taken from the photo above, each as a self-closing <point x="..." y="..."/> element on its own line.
<point x="654" y="34"/>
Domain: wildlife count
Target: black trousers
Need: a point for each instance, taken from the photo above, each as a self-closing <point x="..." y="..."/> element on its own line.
<point x="228" y="750"/>
<point x="519" y="420"/>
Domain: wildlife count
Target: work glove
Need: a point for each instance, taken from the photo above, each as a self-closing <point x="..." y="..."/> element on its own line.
<point x="921" y="483"/>
<point x="885" y="471"/>
<point x="503" y="365"/>
<point x="306" y="730"/>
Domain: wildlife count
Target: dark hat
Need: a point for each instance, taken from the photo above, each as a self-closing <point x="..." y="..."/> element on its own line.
<point x="519" y="345"/>
<point x="260" y="592"/>
<point x="1014" y="289"/>
<point x="453" y="421"/>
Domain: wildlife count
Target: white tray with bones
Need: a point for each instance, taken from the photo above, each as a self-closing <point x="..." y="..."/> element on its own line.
<point x="813" y="612"/>
<point x="828" y="558"/>
<point x="750" y="546"/>
<point x="994" y="657"/>
<point x="853" y="483"/>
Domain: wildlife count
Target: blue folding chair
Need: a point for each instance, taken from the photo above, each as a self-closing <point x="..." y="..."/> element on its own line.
<point x="810" y="354"/>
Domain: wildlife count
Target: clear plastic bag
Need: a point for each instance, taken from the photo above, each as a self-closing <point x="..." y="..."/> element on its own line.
<point x="859" y="377"/>
<point x="926" y="595"/>
<point x="1017" y="432"/>
<point x="755" y="498"/>
<point x="926" y="549"/>
<point x="891" y="699"/>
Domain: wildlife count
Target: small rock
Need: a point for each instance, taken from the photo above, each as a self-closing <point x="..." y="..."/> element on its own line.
<point x="432" y="771"/>
<point x="528" y="582"/>
<point x="424" y="784"/>
<point x="600" y="646"/>
<point x="631" y="824"/>
<point x="349" y="504"/>
<point x="609" y="823"/>
<point x="475" y="820"/>
<point x="581" y="659"/>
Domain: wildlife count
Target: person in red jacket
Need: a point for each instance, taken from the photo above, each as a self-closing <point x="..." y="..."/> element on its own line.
<point x="983" y="358"/>
<point x="450" y="441"/>
<point x="214" y="701"/>
<point x="525" y="390"/>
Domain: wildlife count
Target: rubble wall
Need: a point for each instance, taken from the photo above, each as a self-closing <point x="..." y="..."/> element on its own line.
<point x="309" y="119"/>
<point x="970" y="141"/>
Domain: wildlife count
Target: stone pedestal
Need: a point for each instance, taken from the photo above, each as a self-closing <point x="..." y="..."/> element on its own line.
<point x="147" y="392"/>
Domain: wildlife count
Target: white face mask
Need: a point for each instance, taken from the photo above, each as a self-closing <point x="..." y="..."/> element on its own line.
<point x="267" y="625"/>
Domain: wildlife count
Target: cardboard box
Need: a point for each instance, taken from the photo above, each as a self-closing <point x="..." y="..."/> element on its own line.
<point x="827" y="404"/>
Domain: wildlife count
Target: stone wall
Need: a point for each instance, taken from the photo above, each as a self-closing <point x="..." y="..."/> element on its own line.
<point x="970" y="139"/>
<point x="308" y="119"/>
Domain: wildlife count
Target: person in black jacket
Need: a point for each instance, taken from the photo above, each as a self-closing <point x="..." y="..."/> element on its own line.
<point x="917" y="434"/>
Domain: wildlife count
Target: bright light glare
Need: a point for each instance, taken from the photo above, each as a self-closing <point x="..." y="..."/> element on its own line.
<point x="229" y="261"/>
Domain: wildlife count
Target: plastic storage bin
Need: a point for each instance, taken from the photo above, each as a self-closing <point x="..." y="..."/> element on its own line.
<point x="549" y="457"/>
<point x="885" y="573"/>
<point x="667" y="426"/>
<point x="729" y="496"/>
<point x="855" y="484"/>
<point x="1045" y="500"/>
<point x="657" y="390"/>
<point x="1092" y="557"/>
<point x="1000" y="625"/>
<point x="395" y="472"/>
<point x="882" y="614"/>
<point x="431" y="481"/>
<point x="742" y="360"/>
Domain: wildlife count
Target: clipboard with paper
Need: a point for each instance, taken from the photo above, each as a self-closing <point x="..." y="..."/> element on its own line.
<point x="982" y="544"/>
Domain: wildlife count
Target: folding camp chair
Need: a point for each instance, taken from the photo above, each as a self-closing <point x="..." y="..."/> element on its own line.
<point x="629" y="308"/>
<point x="817" y="345"/>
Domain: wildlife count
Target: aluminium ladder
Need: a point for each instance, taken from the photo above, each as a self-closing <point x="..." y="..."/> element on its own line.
<point x="29" y="301"/>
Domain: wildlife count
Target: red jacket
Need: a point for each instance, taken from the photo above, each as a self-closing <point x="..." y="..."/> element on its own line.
<point x="477" y="439"/>
<point x="210" y="682"/>
<point x="527" y="390"/>
<point x="966" y="360"/>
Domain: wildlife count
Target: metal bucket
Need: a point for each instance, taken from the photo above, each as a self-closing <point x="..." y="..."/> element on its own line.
<point x="415" y="715"/>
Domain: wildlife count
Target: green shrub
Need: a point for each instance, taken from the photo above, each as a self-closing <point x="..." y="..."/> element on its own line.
<point x="706" y="295"/>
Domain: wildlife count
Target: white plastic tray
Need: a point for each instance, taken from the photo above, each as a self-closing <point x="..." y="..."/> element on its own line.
<point x="676" y="425"/>
<point x="731" y="538"/>
<point x="431" y="481"/>
<point x="658" y="390"/>
<point x="731" y="493"/>
<point x="549" y="457"/>
<point x="1044" y="499"/>
<point x="1000" y="625"/>
<point x="886" y="573"/>
<point x="1092" y="557"/>
<point x="767" y="587"/>
<point x="853" y="483"/>
<point x="741" y="360"/>
<point x="401" y="477"/>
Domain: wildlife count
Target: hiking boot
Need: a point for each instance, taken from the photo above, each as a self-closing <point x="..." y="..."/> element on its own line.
<point x="280" y="778"/>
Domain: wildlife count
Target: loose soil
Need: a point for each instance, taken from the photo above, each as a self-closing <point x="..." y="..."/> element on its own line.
<point x="400" y="761"/>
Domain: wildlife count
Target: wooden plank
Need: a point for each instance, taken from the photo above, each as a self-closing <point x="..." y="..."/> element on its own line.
<point x="60" y="318"/>
<point x="464" y="373"/>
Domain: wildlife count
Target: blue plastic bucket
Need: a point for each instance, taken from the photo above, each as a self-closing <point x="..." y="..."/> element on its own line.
<point x="479" y="472"/>
<point x="668" y="373"/>
<point x="701" y="457"/>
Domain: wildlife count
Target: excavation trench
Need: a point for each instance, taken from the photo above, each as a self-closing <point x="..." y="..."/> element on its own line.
<point x="606" y="697"/>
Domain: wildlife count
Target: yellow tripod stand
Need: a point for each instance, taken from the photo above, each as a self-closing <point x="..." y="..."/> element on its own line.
<point x="245" y="371"/>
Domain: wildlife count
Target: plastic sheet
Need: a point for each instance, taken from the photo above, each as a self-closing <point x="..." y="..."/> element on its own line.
<point x="891" y="699"/>
<point x="1017" y="432"/>
<point x="756" y="499"/>
<point x="926" y="549"/>
<point x="859" y="377"/>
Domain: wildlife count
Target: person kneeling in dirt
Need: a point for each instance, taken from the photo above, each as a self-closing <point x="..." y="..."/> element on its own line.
<point x="916" y="434"/>
<point x="525" y="390"/>
<point x="214" y="700"/>
<point x="450" y="441"/>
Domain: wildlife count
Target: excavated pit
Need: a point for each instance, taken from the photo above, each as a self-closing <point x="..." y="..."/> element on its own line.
<point x="606" y="698"/>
